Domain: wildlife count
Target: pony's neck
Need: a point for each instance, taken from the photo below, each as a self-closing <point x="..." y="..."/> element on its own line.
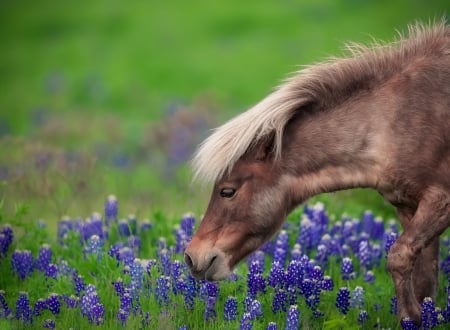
<point x="335" y="149"/>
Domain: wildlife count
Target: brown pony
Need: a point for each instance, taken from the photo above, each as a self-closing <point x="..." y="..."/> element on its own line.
<point x="379" y="119"/>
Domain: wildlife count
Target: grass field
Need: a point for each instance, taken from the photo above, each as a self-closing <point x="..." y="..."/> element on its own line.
<point x="101" y="97"/>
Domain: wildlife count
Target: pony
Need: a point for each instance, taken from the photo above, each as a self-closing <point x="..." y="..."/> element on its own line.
<point x="378" y="118"/>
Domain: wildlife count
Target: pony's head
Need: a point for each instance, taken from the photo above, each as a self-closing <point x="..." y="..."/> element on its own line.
<point x="247" y="206"/>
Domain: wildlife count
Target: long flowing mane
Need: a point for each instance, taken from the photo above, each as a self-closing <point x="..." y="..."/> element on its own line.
<point x="324" y="85"/>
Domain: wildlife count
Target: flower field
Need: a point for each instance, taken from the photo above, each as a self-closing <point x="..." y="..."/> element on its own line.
<point x="114" y="273"/>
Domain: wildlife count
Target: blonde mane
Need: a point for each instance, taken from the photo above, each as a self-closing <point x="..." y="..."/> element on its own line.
<point x="324" y="85"/>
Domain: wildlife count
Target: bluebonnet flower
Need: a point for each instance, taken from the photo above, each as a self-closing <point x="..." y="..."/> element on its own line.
<point x="39" y="306"/>
<point x="49" y="324"/>
<point x="162" y="290"/>
<point x="363" y="317"/>
<point x="53" y="303"/>
<point x="91" y="307"/>
<point x="78" y="281"/>
<point x="145" y="226"/>
<point x="357" y="299"/>
<point x="124" y="228"/>
<point x="94" y="245"/>
<point x="51" y="271"/>
<point x="272" y="326"/>
<point x="5" y="311"/>
<point x="347" y="272"/>
<point x="369" y="276"/>
<point x="64" y="268"/>
<point x="322" y="254"/>
<point x="279" y="301"/>
<point x="111" y="209"/>
<point x="22" y="263"/>
<point x="327" y="283"/>
<point x="305" y="233"/>
<point x="276" y="275"/>
<point x="246" y="322"/>
<point x="181" y="240"/>
<point x="6" y="238"/>
<point x="365" y="254"/>
<point x="122" y="316"/>
<point x="23" y="309"/>
<point x="343" y="300"/>
<point x="137" y="277"/>
<point x="210" y="309"/>
<point x="71" y="301"/>
<point x="316" y="274"/>
<point x="126" y="255"/>
<point x="408" y="324"/>
<point x="187" y="224"/>
<point x="296" y="252"/>
<point x="293" y="318"/>
<point x="92" y="226"/>
<point x="97" y="314"/>
<point x="255" y="309"/>
<point x="119" y="287"/>
<point x="44" y="258"/>
<point x="393" y="309"/>
<point x="190" y="292"/>
<point x="294" y="275"/>
<point x="255" y="283"/>
<point x="390" y="238"/>
<point x="230" y="309"/>
<point x="429" y="314"/>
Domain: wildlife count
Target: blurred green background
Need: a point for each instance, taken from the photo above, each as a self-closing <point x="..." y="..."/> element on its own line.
<point x="100" y="97"/>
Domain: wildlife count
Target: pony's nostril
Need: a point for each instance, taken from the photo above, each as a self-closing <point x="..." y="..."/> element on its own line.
<point x="188" y="260"/>
<point x="212" y="261"/>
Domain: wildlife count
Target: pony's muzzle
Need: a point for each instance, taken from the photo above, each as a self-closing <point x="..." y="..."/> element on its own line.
<point x="209" y="266"/>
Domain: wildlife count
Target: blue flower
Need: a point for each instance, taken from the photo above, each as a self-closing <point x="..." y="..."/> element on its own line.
<point x="230" y="309"/>
<point x="49" y="324"/>
<point x="293" y="318"/>
<point x="276" y="275"/>
<point x="53" y="303"/>
<point x="23" y="309"/>
<point x="357" y="300"/>
<point x="44" y="258"/>
<point x="210" y="309"/>
<point x="279" y="301"/>
<point x="408" y="324"/>
<point x="162" y="290"/>
<point x="429" y="314"/>
<point x="343" y="300"/>
<point x="6" y="238"/>
<point x="22" y="263"/>
<point x="111" y="209"/>
<point x="363" y="317"/>
<point x="51" y="271"/>
<point x="272" y="326"/>
<point x="246" y="322"/>
<point x="5" y="311"/>
<point x="347" y="272"/>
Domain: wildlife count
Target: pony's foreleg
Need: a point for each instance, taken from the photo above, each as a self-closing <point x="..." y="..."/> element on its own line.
<point x="429" y="221"/>
<point x="425" y="274"/>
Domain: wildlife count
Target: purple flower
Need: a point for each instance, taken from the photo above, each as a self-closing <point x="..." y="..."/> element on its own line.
<point x="124" y="228"/>
<point x="230" y="309"/>
<point x="408" y="324"/>
<point x="272" y="326"/>
<point x="49" y="324"/>
<point x="122" y="316"/>
<point x="255" y="284"/>
<point x="111" y="209"/>
<point x="137" y="276"/>
<point x="276" y="275"/>
<point x="5" y="311"/>
<point x="279" y="301"/>
<point x="71" y="301"/>
<point x="390" y="239"/>
<point x="119" y="287"/>
<point x="39" y="306"/>
<point x="6" y="238"/>
<point x="357" y="299"/>
<point x="327" y="283"/>
<point x="97" y="314"/>
<point x="246" y="322"/>
<point x="343" y="300"/>
<point x="22" y="263"/>
<point x="187" y="224"/>
<point x="294" y="275"/>
<point x="255" y="309"/>
<point x="53" y="303"/>
<point x="210" y="309"/>
<point x="44" y="258"/>
<point x="51" y="271"/>
<point x="78" y="281"/>
<point x="429" y="314"/>
<point x="369" y="276"/>
<point x="347" y="272"/>
<point x="94" y="245"/>
<point x="365" y="254"/>
<point x="162" y="290"/>
<point x="293" y="318"/>
<point x="363" y="317"/>
<point x="23" y="309"/>
<point x="393" y="309"/>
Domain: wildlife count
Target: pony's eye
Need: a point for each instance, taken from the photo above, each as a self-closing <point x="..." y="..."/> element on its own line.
<point x="227" y="192"/>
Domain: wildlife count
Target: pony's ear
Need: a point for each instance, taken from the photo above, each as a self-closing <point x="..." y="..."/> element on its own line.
<point x="263" y="150"/>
